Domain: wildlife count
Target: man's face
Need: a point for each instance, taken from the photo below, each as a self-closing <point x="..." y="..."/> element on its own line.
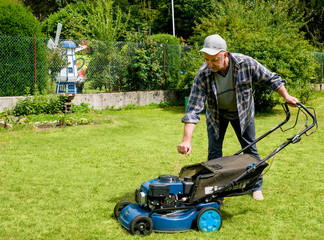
<point x="216" y="62"/>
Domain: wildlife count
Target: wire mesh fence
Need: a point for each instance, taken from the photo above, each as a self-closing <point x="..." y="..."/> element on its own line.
<point x="318" y="79"/>
<point x="17" y="65"/>
<point x="30" y="64"/>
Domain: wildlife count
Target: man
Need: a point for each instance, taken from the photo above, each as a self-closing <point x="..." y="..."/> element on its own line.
<point x="225" y="81"/>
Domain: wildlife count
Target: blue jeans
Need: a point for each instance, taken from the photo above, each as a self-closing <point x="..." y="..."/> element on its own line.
<point x="215" y="146"/>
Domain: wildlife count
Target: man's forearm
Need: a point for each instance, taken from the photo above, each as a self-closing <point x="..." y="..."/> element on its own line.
<point x="284" y="93"/>
<point x="189" y="128"/>
<point x="185" y="146"/>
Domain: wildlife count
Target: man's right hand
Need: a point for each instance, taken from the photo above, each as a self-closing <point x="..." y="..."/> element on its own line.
<point x="184" y="148"/>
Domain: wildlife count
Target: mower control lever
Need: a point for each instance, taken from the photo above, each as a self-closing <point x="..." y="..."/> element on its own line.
<point x="294" y="139"/>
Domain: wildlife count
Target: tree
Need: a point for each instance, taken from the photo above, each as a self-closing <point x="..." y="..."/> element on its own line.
<point x="143" y="13"/>
<point x="42" y="9"/>
<point x="90" y="20"/>
<point x="186" y="14"/>
<point x="268" y="32"/>
<point x="16" y="20"/>
<point x="313" y="12"/>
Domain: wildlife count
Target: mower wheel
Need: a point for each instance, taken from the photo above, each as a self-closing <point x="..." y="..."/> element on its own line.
<point x="209" y="219"/>
<point x="119" y="206"/>
<point x="141" y="225"/>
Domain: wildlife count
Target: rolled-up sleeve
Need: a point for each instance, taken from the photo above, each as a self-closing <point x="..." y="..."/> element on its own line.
<point x="196" y="100"/>
<point x="265" y="75"/>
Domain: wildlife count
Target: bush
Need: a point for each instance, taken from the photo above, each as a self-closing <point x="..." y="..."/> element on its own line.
<point x="190" y="64"/>
<point x="172" y="60"/>
<point x="16" y="20"/>
<point x="17" y="26"/>
<point x="319" y="57"/>
<point x="82" y="108"/>
<point x="39" y="104"/>
<point x="99" y="70"/>
<point x="143" y="66"/>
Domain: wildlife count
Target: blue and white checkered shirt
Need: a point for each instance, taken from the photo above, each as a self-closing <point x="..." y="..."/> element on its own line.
<point x="245" y="71"/>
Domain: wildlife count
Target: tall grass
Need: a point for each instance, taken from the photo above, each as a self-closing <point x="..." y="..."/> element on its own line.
<point x="64" y="183"/>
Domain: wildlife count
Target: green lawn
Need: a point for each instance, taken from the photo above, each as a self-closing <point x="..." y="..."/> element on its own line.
<point x="63" y="183"/>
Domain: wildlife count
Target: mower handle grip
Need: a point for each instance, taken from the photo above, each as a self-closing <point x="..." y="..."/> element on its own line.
<point x="306" y="111"/>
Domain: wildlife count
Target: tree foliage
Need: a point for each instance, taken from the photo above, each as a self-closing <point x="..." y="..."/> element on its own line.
<point x="16" y="20"/>
<point x="157" y="14"/>
<point x="143" y="13"/>
<point x="42" y="9"/>
<point x="97" y="20"/>
<point x="313" y="13"/>
<point x="186" y="14"/>
<point x="191" y="61"/>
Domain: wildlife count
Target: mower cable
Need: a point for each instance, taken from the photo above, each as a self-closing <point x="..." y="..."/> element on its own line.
<point x="178" y="164"/>
<point x="270" y="165"/>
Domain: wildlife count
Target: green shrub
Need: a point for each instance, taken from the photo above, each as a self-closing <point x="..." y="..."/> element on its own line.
<point x="16" y="20"/>
<point x="17" y="26"/>
<point x="171" y="58"/>
<point x="39" y="104"/>
<point x="57" y="60"/>
<point x="319" y="58"/>
<point x="144" y="70"/>
<point x="190" y="64"/>
<point x="166" y="39"/>
<point x="82" y="108"/>
<point x="99" y="68"/>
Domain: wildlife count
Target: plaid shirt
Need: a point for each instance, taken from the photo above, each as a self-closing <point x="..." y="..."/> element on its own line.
<point x="245" y="71"/>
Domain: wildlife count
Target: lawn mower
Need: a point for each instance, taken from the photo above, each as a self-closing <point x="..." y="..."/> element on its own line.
<point x="172" y="203"/>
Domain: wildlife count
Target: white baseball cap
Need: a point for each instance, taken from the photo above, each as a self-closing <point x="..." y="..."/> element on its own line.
<point x="214" y="44"/>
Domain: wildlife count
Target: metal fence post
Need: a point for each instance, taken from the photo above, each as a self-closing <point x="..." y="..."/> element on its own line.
<point x="322" y="63"/>
<point x="164" y="50"/>
<point x="35" y="62"/>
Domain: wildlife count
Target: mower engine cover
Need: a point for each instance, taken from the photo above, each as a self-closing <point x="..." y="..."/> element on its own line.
<point x="164" y="191"/>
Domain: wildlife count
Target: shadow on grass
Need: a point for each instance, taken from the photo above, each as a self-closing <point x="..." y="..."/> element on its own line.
<point x="227" y="215"/>
<point x="127" y="196"/>
<point x="114" y="200"/>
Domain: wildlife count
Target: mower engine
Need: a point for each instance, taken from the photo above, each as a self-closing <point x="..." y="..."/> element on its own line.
<point x="164" y="192"/>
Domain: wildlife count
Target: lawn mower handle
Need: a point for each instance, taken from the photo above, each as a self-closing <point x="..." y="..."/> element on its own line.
<point x="286" y="109"/>
<point x="313" y="116"/>
<point x="295" y="138"/>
